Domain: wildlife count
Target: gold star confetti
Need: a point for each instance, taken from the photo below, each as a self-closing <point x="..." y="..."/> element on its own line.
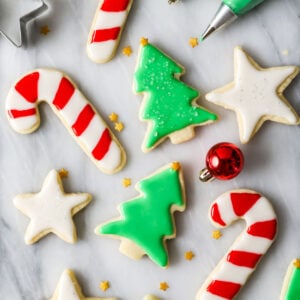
<point x="163" y="286"/>
<point x="113" y="117"/>
<point x="189" y="255"/>
<point x="63" y="173"/>
<point x="119" y="126"/>
<point x="175" y="165"/>
<point x="296" y="263"/>
<point x="126" y="182"/>
<point x="193" y="41"/>
<point x="104" y="285"/>
<point x="44" y="30"/>
<point x="144" y="41"/>
<point x="216" y="234"/>
<point x="127" y="51"/>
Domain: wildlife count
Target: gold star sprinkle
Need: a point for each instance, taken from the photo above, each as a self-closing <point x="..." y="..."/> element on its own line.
<point x="216" y="234"/>
<point x="113" y="117"/>
<point x="104" y="285"/>
<point x="127" y="51"/>
<point x="126" y="182"/>
<point x="193" y="41"/>
<point x="189" y="255"/>
<point x="144" y="41"/>
<point x="163" y="286"/>
<point x="175" y="165"/>
<point x="119" y="126"/>
<point x="63" y="173"/>
<point x="296" y="263"/>
<point x="44" y="30"/>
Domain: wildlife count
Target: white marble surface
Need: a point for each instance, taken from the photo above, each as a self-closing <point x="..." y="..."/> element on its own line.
<point x="272" y="157"/>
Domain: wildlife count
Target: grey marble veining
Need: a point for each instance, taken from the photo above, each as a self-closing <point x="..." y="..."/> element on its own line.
<point x="270" y="34"/>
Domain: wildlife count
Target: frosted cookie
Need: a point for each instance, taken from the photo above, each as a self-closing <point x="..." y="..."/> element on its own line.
<point x="106" y="29"/>
<point x="169" y="105"/>
<point x="78" y="115"/>
<point x="256" y="95"/>
<point x="291" y="285"/>
<point x="147" y="221"/>
<point x="150" y="297"/>
<point x="240" y="261"/>
<point x="51" y="210"/>
<point x="68" y="288"/>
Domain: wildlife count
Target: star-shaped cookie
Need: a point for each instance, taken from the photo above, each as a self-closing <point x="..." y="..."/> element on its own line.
<point x="68" y="288"/>
<point x="51" y="210"/>
<point x="256" y="95"/>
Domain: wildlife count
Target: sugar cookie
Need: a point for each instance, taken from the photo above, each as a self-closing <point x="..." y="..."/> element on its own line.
<point x="240" y="261"/>
<point x="73" y="109"/>
<point x="291" y="285"/>
<point x="51" y="210"/>
<point x="68" y="288"/>
<point x="106" y="29"/>
<point x="169" y="105"/>
<point x="147" y="220"/>
<point x="256" y="95"/>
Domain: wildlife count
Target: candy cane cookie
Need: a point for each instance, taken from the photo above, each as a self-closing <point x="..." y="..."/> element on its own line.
<point x="240" y="261"/>
<point x="106" y="29"/>
<point x="73" y="109"/>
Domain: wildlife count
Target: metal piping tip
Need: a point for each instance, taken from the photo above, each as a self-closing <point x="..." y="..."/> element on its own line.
<point x="209" y="30"/>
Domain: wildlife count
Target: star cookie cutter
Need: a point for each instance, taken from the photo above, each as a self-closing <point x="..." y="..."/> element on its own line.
<point x="23" y="21"/>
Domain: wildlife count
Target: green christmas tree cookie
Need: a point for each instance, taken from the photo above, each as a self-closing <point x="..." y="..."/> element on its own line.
<point x="147" y="220"/>
<point x="291" y="284"/>
<point x="169" y="105"/>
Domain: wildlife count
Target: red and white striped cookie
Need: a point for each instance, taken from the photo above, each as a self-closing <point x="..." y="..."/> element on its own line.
<point x="107" y="28"/>
<point x="240" y="261"/>
<point x="75" y="111"/>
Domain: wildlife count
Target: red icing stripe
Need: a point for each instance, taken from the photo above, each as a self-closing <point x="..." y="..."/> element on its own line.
<point x="102" y="146"/>
<point x="103" y="35"/>
<point x="265" y="229"/>
<point x="114" y="5"/>
<point x="83" y="120"/>
<point x="215" y="214"/>
<point x="28" y="87"/>
<point x="243" y="258"/>
<point x="223" y="289"/>
<point x="15" y="113"/>
<point x="64" y="93"/>
<point x="242" y="202"/>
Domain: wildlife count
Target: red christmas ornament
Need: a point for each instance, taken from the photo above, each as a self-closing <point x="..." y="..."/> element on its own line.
<point x="224" y="161"/>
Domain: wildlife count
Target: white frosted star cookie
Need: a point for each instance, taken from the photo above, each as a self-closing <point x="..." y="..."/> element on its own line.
<point x="51" y="210"/>
<point x="68" y="288"/>
<point x="256" y="95"/>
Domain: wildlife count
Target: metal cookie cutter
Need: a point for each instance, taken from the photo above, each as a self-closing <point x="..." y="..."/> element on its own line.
<point x="23" y="23"/>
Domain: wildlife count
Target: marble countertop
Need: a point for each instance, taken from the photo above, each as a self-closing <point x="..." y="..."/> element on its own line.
<point x="272" y="159"/>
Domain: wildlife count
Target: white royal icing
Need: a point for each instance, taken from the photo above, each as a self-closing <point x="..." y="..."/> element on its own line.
<point x="51" y="210"/>
<point x="254" y="95"/>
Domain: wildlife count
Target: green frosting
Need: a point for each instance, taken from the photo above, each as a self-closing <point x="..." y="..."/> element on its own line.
<point x="293" y="290"/>
<point x="240" y="7"/>
<point x="168" y="103"/>
<point x="147" y="219"/>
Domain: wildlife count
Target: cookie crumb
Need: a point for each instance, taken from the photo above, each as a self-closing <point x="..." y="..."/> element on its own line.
<point x="144" y="41"/>
<point x="127" y="51"/>
<point x="104" y="285"/>
<point x="193" y="41"/>
<point x="163" y="286"/>
<point x="216" y="234"/>
<point x="63" y="173"/>
<point x="113" y="117"/>
<point x="119" y="126"/>
<point x="189" y="255"/>
<point x="126" y="182"/>
<point x="45" y="30"/>
<point x="296" y="263"/>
